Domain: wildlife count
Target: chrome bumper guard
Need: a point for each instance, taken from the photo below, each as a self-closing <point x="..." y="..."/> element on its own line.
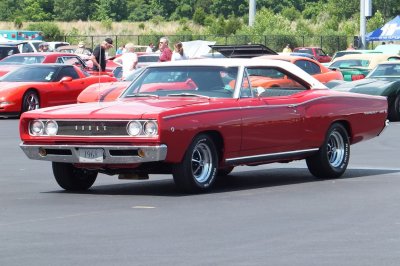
<point x="110" y="154"/>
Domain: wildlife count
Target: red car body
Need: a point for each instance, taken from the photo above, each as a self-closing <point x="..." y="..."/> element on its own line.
<point x="199" y="134"/>
<point x="23" y="93"/>
<point x="15" y="61"/>
<point x="312" y="67"/>
<point x="317" y="52"/>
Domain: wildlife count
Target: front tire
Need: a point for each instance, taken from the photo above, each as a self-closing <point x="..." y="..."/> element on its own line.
<point x="30" y="101"/>
<point x="71" y="178"/>
<point x="198" y="169"/>
<point x="333" y="156"/>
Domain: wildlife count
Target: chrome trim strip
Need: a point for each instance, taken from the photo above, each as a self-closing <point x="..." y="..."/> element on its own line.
<point x="269" y="156"/>
<point x="152" y="153"/>
<point x="254" y="107"/>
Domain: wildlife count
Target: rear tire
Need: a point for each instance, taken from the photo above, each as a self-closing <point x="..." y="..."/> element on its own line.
<point x="333" y="156"/>
<point x="71" y="178"/>
<point x="394" y="109"/>
<point x="198" y="169"/>
<point x="30" y="101"/>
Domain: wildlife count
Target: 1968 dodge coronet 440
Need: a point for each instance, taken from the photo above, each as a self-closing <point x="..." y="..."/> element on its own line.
<point x="198" y="133"/>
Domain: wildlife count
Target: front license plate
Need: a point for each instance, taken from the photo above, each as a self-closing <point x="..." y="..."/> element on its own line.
<point x="91" y="155"/>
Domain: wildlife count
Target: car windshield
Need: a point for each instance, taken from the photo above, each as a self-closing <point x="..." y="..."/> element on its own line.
<point x="350" y="63"/>
<point x="385" y="70"/>
<point x="31" y="74"/>
<point x="190" y="81"/>
<point x="28" y="59"/>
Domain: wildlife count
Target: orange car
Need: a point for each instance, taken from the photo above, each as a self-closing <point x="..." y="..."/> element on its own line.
<point x="312" y="67"/>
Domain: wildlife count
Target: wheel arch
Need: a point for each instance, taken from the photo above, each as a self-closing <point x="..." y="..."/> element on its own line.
<point x="28" y="90"/>
<point x="346" y="124"/>
<point x="218" y="140"/>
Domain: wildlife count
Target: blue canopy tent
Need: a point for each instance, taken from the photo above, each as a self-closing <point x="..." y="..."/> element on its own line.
<point x="388" y="32"/>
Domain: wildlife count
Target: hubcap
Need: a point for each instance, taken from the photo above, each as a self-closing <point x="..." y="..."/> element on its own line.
<point x="335" y="149"/>
<point x="201" y="163"/>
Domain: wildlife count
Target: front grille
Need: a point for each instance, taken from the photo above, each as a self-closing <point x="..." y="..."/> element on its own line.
<point x="92" y="128"/>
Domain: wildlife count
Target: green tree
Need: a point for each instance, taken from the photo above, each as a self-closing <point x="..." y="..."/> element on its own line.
<point x="33" y="10"/>
<point x="69" y="10"/>
<point x="229" y="7"/>
<point x="110" y="9"/>
<point x="199" y="16"/>
<point x="10" y="9"/>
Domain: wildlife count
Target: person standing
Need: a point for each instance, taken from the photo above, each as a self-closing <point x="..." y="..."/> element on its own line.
<point x="287" y="49"/>
<point x="127" y="60"/>
<point x="150" y="48"/>
<point x="178" y="52"/>
<point x="99" y="55"/>
<point x="166" y="53"/>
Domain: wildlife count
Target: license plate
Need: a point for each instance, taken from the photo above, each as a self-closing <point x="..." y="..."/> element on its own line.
<point x="91" y="155"/>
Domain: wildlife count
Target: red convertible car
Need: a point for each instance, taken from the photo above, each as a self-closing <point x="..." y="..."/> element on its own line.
<point x="201" y="133"/>
<point x="42" y="85"/>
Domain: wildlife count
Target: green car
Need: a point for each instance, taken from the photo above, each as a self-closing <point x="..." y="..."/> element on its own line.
<point x="357" y="66"/>
<point x="384" y="80"/>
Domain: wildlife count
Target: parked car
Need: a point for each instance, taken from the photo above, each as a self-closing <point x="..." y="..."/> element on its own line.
<point x="383" y="80"/>
<point x="312" y="67"/>
<point x="317" y="52"/>
<point x="145" y="59"/>
<point x="15" y="61"/>
<point x="200" y="134"/>
<point x="105" y="92"/>
<point x="346" y="52"/>
<point x="54" y="45"/>
<point x="41" y="85"/>
<point x="7" y="50"/>
<point x="389" y="48"/>
<point x="357" y="66"/>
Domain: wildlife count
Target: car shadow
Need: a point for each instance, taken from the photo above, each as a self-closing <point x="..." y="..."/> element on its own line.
<point x="236" y="181"/>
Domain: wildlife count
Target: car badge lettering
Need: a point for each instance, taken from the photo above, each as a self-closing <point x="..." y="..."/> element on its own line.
<point x="90" y="128"/>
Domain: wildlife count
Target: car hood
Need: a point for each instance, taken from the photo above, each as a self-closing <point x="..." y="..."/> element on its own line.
<point x="126" y="109"/>
<point x="366" y="85"/>
<point x="10" y="87"/>
<point x="102" y="91"/>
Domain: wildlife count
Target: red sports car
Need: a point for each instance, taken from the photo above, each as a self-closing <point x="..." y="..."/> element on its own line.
<point x="41" y="85"/>
<point x="199" y="134"/>
<point x="14" y="61"/>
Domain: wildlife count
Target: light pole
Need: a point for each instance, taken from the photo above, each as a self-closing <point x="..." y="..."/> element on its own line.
<point x="252" y="12"/>
<point x="362" y="24"/>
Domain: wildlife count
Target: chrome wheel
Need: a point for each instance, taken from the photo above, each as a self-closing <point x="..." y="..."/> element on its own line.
<point x="199" y="166"/>
<point x="30" y="101"/>
<point x="201" y="162"/>
<point x="335" y="149"/>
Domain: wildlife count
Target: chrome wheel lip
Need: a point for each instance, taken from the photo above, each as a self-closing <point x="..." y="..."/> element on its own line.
<point x="201" y="163"/>
<point x="335" y="149"/>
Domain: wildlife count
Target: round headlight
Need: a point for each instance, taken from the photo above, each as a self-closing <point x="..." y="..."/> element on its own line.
<point x="134" y="128"/>
<point x="37" y="128"/>
<point x="51" y="128"/>
<point x="150" y="128"/>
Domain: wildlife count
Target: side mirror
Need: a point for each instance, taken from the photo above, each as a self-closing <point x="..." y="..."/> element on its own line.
<point x="66" y="79"/>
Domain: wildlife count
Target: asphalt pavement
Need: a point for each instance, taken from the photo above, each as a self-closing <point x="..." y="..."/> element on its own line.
<point x="275" y="214"/>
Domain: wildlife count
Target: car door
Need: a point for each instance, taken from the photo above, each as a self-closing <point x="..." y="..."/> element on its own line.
<point x="271" y="117"/>
<point x="67" y="91"/>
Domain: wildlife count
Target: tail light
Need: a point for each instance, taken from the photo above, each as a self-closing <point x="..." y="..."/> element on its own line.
<point x="357" y="77"/>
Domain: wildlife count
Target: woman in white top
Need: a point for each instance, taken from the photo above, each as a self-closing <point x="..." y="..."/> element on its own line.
<point x="178" y="53"/>
<point x="127" y="60"/>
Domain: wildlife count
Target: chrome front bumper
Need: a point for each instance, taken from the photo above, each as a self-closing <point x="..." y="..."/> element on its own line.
<point x="110" y="155"/>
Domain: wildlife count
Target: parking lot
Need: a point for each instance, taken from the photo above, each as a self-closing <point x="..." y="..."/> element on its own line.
<point x="275" y="214"/>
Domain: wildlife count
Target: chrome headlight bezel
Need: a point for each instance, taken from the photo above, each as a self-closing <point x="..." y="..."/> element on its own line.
<point x="36" y="128"/>
<point x="142" y="128"/>
<point x="150" y="128"/>
<point x="51" y="128"/>
<point x="134" y="128"/>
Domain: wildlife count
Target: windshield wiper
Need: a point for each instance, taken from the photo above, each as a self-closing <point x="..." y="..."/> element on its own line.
<point x="188" y="95"/>
<point x="142" y="95"/>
